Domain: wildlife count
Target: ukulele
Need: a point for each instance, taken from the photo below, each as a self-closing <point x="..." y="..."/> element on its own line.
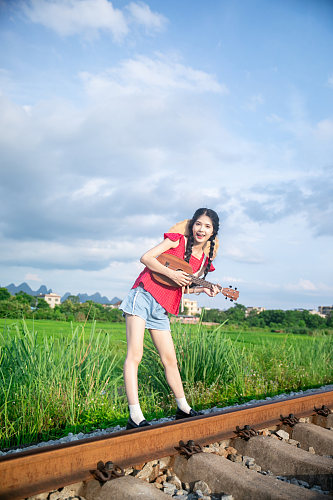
<point x="177" y="264"/>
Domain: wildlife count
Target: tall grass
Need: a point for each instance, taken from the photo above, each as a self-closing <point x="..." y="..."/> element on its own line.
<point x="52" y="385"/>
<point x="219" y="370"/>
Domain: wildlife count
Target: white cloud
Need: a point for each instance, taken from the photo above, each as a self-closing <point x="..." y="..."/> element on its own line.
<point x="84" y="254"/>
<point x="307" y="285"/>
<point x="89" y="17"/>
<point x="144" y="73"/>
<point x="90" y="188"/>
<point x="71" y="17"/>
<point x="142" y="14"/>
<point x="243" y="253"/>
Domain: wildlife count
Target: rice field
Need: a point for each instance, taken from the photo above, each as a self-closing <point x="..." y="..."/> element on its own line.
<point x="58" y="377"/>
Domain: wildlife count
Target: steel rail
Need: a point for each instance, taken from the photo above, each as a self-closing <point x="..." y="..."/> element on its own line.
<point x="31" y="472"/>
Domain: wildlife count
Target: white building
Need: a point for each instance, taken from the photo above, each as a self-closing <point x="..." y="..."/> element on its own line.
<point x="53" y="299"/>
<point x="192" y="307"/>
<point x="255" y="309"/>
<point x="325" y="310"/>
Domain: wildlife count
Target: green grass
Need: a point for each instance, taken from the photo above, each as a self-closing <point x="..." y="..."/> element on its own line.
<point x="57" y="377"/>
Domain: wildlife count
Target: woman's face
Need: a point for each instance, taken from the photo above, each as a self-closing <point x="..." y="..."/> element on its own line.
<point x="202" y="229"/>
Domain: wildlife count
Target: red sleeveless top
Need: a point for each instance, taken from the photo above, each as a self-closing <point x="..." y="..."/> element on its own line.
<point x="168" y="296"/>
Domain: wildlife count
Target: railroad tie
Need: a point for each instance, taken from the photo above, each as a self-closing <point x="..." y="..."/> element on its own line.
<point x="285" y="460"/>
<point x="234" y="479"/>
<point x="310" y="435"/>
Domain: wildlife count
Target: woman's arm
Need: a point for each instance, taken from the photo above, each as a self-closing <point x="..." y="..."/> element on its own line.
<point x="210" y="292"/>
<point x="149" y="259"/>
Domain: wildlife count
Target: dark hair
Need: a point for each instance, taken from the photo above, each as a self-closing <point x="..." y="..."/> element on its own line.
<point x="216" y="224"/>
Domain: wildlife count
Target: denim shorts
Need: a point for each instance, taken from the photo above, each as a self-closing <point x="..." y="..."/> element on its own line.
<point x="141" y="303"/>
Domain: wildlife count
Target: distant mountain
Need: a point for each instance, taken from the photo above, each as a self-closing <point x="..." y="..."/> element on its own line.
<point x="96" y="297"/>
<point x="24" y="287"/>
<point x="115" y="300"/>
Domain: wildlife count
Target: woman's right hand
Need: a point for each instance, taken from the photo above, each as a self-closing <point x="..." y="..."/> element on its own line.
<point x="180" y="278"/>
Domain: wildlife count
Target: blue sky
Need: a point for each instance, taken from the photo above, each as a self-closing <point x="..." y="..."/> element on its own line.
<point x="118" y="119"/>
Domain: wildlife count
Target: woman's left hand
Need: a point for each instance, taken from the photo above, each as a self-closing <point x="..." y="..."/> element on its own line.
<point x="211" y="292"/>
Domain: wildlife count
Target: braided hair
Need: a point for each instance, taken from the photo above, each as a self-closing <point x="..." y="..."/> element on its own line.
<point x="216" y="224"/>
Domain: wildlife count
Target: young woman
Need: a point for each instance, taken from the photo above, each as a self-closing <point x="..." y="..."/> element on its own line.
<point x="148" y="302"/>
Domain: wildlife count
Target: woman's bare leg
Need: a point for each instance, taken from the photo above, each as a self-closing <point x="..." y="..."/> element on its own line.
<point x="164" y="344"/>
<point x="135" y="329"/>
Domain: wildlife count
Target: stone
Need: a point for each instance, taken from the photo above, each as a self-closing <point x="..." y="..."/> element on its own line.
<point x="255" y="467"/>
<point x="203" y="487"/>
<point x="316" y="488"/>
<point x="248" y="461"/>
<point x="40" y="496"/>
<point x="161" y="479"/>
<point x="293" y="480"/>
<point x="304" y="420"/>
<point x="155" y="473"/>
<point x="54" y="495"/>
<point x="227" y="497"/>
<point x="158" y="485"/>
<point x="283" y="434"/>
<point x="128" y="471"/>
<point x="199" y="493"/>
<point x="65" y="493"/>
<point x="235" y="458"/>
<point x="224" y="444"/>
<point x="145" y="472"/>
<point x="231" y="450"/>
<point x="180" y="493"/>
<point x="164" y="462"/>
<point x="212" y="448"/>
<point x="169" y="489"/>
<point x="293" y="442"/>
<point x="265" y="432"/>
<point x="303" y="483"/>
<point x="311" y="450"/>
<point x="175" y="481"/>
<point x="186" y="486"/>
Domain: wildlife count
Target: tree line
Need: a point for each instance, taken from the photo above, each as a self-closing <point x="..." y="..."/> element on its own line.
<point x="289" y="321"/>
<point x="29" y="306"/>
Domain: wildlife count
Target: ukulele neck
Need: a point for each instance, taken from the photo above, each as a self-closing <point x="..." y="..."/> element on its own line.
<point x="201" y="282"/>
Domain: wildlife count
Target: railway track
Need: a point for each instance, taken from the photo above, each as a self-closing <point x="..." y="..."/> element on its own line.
<point x="265" y="466"/>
